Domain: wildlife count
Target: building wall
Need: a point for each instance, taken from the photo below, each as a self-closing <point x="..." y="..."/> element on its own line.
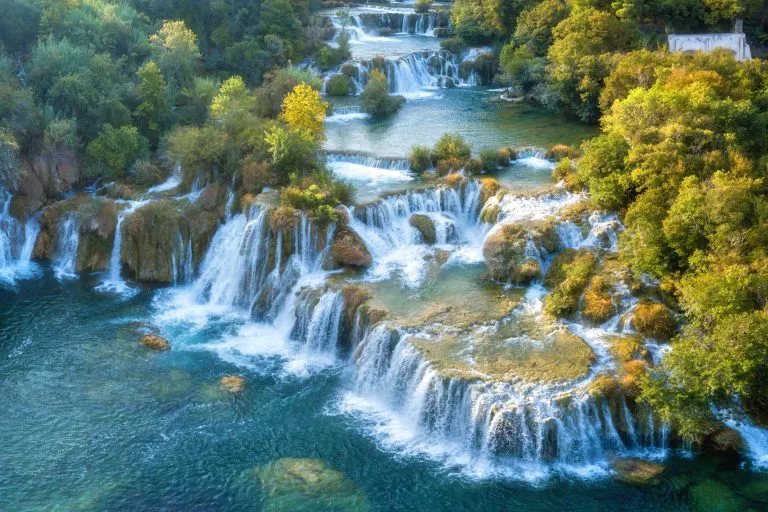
<point x="737" y="43"/>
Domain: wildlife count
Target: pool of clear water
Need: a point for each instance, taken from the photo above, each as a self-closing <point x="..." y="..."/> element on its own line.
<point x="90" y="420"/>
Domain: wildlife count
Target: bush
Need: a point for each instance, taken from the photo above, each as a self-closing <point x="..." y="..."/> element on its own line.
<point x="452" y="146"/>
<point x="375" y="99"/>
<point x="653" y="320"/>
<point x="565" y="171"/>
<point x="492" y="159"/>
<point x="422" y="6"/>
<point x="338" y="85"/>
<point x="560" y="151"/>
<point x="453" y="45"/>
<point x="114" y="150"/>
<point x="420" y="158"/>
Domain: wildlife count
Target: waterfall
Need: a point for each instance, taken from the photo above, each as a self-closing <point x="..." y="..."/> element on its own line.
<point x="182" y="261"/>
<point x="114" y="281"/>
<point x="16" y="242"/>
<point x="410" y="74"/>
<point x="173" y="181"/>
<point x="345" y="114"/>
<point x="397" y="247"/>
<point x="510" y="423"/>
<point x="318" y="320"/>
<point x="534" y="158"/>
<point x="246" y="266"/>
<point x="391" y="164"/>
<point x="364" y="169"/>
<point x="67" y="242"/>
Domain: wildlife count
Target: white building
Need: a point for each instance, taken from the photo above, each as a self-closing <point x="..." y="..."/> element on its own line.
<point x="736" y="42"/>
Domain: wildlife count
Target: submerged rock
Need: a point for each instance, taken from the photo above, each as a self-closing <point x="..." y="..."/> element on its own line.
<point x="349" y="249"/>
<point x="711" y="496"/>
<point x="637" y="471"/>
<point x="155" y="342"/>
<point x="425" y="225"/>
<point x="310" y="485"/>
<point x="233" y="383"/>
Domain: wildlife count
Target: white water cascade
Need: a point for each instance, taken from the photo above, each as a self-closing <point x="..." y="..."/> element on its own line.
<point x="182" y="261"/>
<point x="114" y="281"/>
<point x="318" y="320"/>
<point x="250" y="267"/>
<point x="67" y="242"/>
<point x="411" y="74"/>
<point x="16" y="242"/>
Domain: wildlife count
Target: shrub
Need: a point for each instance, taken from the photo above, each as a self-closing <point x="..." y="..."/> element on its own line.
<point x="114" y="150"/>
<point x="420" y="158"/>
<point x="375" y="99"/>
<point x="560" y="151"/>
<point x="565" y="171"/>
<point x="452" y="146"/>
<point x="337" y="85"/>
<point x="492" y="159"/>
<point x="422" y="6"/>
<point x="453" y="45"/>
<point x="653" y="320"/>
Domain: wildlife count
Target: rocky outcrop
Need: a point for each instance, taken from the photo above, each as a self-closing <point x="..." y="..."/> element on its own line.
<point x="155" y="231"/>
<point x="510" y="251"/>
<point x="97" y="219"/>
<point x="349" y="249"/>
<point x="48" y="176"/>
<point x="425" y="225"/>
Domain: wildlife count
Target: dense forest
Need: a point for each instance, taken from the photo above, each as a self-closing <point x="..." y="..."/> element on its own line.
<point x="230" y="89"/>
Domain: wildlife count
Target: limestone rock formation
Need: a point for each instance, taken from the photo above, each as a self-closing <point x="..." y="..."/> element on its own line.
<point x="349" y="249"/>
<point x="425" y="225"/>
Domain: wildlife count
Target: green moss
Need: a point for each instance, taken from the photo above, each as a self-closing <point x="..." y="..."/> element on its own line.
<point x="556" y="357"/>
<point x="567" y="277"/>
<point x="712" y="496"/>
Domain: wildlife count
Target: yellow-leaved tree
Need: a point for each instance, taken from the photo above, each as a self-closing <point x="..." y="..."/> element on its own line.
<point x="304" y="110"/>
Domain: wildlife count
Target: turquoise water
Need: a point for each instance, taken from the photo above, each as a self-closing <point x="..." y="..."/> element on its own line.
<point x="90" y="420"/>
<point x="467" y="111"/>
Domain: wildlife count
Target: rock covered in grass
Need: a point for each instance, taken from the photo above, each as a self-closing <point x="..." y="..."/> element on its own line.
<point x="507" y="251"/>
<point x="654" y="320"/>
<point x="349" y="249"/>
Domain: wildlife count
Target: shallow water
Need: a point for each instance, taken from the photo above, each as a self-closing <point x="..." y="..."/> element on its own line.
<point x="90" y="420"/>
<point x="468" y="111"/>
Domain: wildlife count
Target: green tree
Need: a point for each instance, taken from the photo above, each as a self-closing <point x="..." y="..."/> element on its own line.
<point x="114" y="150"/>
<point x="375" y="99"/>
<point x="153" y="112"/>
<point x="175" y="48"/>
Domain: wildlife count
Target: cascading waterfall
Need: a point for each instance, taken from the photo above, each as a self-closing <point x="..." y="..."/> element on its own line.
<point x="318" y="320"/>
<point x="246" y="266"/>
<point x="417" y="71"/>
<point x="182" y="260"/>
<point x="16" y="242"/>
<point x="67" y="242"/>
<point x="392" y="164"/>
<point x="364" y="169"/>
<point x="114" y="281"/>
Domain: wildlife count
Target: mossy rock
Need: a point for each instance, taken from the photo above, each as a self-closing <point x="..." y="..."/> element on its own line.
<point x="349" y="249"/>
<point x="637" y="471"/>
<point x="425" y="225"/>
<point x="598" y="304"/>
<point x="556" y="357"/>
<point x="308" y="485"/>
<point x="654" y="320"/>
<point x="232" y="383"/>
<point x="567" y="277"/>
<point x="505" y="251"/>
<point x="712" y="496"/>
<point x="154" y="342"/>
